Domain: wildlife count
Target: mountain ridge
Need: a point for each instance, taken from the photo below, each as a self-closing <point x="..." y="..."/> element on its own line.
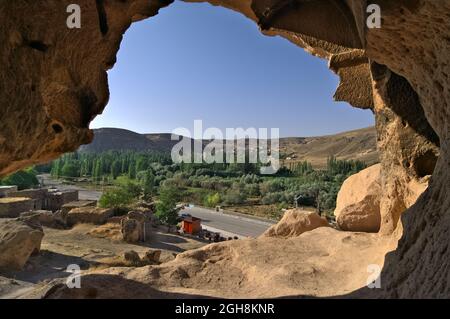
<point x="359" y="144"/>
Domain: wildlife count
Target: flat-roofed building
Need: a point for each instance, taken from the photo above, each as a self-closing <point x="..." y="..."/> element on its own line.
<point x="12" y="207"/>
<point x="39" y="196"/>
<point x="56" y="200"/>
<point x="4" y="190"/>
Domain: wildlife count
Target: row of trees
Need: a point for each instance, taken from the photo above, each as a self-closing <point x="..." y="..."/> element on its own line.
<point x="108" y="165"/>
<point x="208" y="184"/>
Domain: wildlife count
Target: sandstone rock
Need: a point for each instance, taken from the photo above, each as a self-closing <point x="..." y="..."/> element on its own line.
<point x="152" y="257"/>
<point x="109" y="230"/>
<point x="46" y="218"/>
<point x="132" y="257"/>
<point x="321" y="263"/>
<point x="296" y="222"/>
<point x="60" y="216"/>
<point x="140" y="217"/>
<point x="133" y="227"/>
<point x="19" y="239"/>
<point x="358" y="201"/>
<point x="88" y="215"/>
<point x="131" y="232"/>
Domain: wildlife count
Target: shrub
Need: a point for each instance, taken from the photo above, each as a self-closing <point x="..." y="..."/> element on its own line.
<point x="234" y="197"/>
<point x="273" y="198"/>
<point x="22" y="179"/>
<point x="118" y="198"/>
<point x="133" y="189"/>
<point x="252" y="189"/>
<point x="212" y="200"/>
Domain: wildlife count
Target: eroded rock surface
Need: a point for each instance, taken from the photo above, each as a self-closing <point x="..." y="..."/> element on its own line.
<point x="294" y="223"/>
<point x="53" y="82"/>
<point x="19" y="239"/>
<point x="133" y="227"/>
<point x="323" y="262"/>
<point x="88" y="215"/>
<point x="358" y="201"/>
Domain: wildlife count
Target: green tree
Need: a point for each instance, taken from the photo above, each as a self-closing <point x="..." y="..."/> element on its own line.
<point x="97" y="173"/>
<point x="70" y="169"/>
<point x="115" y="169"/>
<point x="166" y="207"/>
<point x="57" y="168"/>
<point x="132" y="170"/>
<point x="148" y="185"/>
<point x="141" y="164"/>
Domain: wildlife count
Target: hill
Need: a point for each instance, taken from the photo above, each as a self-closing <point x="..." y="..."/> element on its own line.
<point x="358" y="144"/>
<point x="353" y="145"/>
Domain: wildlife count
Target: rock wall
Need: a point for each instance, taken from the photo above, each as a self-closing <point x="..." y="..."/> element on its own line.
<point x="53" y="82"/>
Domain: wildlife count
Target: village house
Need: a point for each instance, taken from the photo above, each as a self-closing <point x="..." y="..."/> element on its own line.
<point x="12" y="207"/>
<point x="39" y="196"/>
<point x="57" y="199"/>
<point x="14" y="202"/>
<point x="191" y="225"/>
<point x="4" y="190"/>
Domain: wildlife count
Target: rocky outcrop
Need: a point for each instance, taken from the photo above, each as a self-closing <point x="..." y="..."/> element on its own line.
<point x="152" y="257"/>
<point x="294" y="223"/>
<point x="19" y="239"/>
<point x="358" y="201"/>
<point x="54" y="83"/>
<point x="132" y="257"/>
<point x="320" y="263"/>
<point x="45" y="218"/>
<point x="88" y="215"/>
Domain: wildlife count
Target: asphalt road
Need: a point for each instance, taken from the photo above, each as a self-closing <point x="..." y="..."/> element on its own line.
<point x="83" y="194"/>
<point x="242" y="226"/>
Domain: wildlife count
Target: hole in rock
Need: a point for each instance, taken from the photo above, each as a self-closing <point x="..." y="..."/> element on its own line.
<point x="57" y="128"/>
<point x="38" y="45"/>
<point x="424" y="164"/>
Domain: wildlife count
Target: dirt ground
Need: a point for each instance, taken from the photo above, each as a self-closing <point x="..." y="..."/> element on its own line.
<point x="82" y="246"/>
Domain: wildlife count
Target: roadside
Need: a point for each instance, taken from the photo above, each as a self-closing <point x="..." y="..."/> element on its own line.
<point x="235" y="224"/>
<point x="84" y="193"/>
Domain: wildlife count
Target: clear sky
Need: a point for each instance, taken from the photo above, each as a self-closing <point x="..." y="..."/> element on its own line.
<point x="196" y="61"/>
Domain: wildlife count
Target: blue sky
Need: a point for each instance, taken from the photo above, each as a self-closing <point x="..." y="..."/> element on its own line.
<point x="196" y="61"/>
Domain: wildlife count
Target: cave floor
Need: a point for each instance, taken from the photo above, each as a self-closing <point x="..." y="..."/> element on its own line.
<point x="89" y="247"/>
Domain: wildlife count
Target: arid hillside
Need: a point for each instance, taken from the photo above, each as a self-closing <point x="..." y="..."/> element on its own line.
<point x="358" y="144"/>
<point x="353" y="145"/>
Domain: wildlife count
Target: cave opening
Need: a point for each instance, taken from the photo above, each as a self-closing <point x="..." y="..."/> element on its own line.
<point x="412" y="44"/>
<point x="213" y="64"/>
